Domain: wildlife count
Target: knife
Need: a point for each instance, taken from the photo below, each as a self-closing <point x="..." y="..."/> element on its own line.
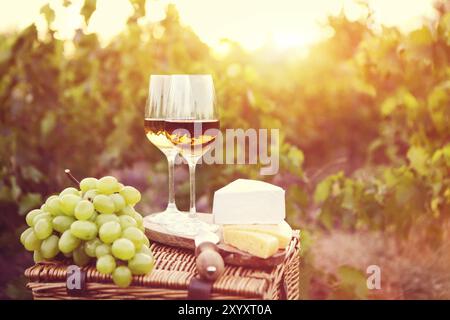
<point x="209" y="262"/>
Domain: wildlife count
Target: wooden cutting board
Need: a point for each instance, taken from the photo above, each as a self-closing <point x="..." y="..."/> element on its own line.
<point x="231" y="255"/>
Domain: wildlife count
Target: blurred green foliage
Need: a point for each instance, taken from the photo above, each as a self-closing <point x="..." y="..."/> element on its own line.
<point x="364" y="119"/>
<point x="406" y="175"/>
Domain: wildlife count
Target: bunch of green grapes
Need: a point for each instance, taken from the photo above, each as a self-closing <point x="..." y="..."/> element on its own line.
<point x="97" y="223"/>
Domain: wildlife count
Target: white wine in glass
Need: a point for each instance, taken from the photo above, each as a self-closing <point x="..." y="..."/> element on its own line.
<point x="193" y="138"/>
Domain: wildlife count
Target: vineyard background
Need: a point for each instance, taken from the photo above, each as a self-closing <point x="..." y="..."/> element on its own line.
<point x="365" y="139"/>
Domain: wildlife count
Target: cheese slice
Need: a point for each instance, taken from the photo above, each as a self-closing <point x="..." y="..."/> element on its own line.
<point x="246" y="201"/>
<point x="281" y="231"/>
<point x="258" y="244"/>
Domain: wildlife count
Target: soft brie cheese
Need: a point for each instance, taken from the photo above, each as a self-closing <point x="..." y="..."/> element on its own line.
<point x="249" y="202"/>
<point x="258" y="244"/>
<point x="281" y="231"/>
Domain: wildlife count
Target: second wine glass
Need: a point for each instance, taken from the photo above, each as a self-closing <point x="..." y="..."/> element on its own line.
<point x="195" y="126"/>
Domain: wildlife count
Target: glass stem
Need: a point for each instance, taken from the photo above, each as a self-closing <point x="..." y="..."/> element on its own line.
<point x="171" y="206"/>
<point x="192" y="210"/>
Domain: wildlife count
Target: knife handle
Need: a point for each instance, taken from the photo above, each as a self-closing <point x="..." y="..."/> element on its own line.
<point x="209" y="262"/>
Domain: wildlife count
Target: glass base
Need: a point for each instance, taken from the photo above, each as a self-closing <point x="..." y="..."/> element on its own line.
<point x="180" y="223"/>
<point x="171" y="208"/>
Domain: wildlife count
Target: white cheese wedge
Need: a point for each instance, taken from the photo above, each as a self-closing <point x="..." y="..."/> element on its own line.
<point x="249" y="202"/>
<point x="281" y="231"/>
<point x="258" y="244"/>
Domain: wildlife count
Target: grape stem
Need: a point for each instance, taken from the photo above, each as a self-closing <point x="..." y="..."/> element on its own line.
<point x="71" y="177"/>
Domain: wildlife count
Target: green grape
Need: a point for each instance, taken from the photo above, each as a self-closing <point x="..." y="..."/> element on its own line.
<point x="123" y="249"/>
<point x="122" y="276"/>
<point x="84" y="210"/>
<point x="104" y="218"/>
<point x="31" y="215"/>
<point x="131" y="195"/>
<point x="68" y="242"/>
<point x="43" y="207"/>
<point x="146" y="241"/>
<point x="137" y="216"/>
<point x="43" y="229"/>
<point x="145" y="250"/>
<point x="141" y="264"/>
<point x="102" y="249"/>
<point x="90" y="246"/>
<point x="69" y="190"/>
<point x="80" y="257"/>
<point x="110" y="231"/>
<point x="49" y="247"/>
<point x="135" y="235"/>
<point x="62" y="223"/>
<point x="104" y="204"/>
<point x="90" y="195"/>
<point x="107" y="185"/>
<point x="54" y="196"/>
<point x="88" y="184"/>
<point x="53" y="206"/>
<point x="25" y="234"/>
<point x="68" y="202"/>
<point x="32" y="242"/>
<point x="94" y="216"/>
<point x="84" y="230"/>
<point x="37" y="256"/>
<point x="106" y="264"/>
<point x="128" y="210"/>
<point x="127" y="221"/>
<point x="68" y="254"/>
<point x="44" y="215"/>
<point x="118" y="200"/>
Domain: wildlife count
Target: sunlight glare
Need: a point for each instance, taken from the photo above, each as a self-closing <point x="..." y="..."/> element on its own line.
<point x="110" y="17"/>
<point x="252" y="23"/>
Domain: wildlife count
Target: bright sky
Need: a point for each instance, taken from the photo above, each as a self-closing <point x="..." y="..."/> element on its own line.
<point x="288" y="23"/>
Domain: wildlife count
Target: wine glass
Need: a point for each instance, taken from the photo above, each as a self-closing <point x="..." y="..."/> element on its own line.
<point x="156" y="111"/>
<point x="194" y="123"/>
<point x="181" y="117"/>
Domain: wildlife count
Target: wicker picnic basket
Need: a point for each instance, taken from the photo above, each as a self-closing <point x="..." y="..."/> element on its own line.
<point x="174" y="270"/>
